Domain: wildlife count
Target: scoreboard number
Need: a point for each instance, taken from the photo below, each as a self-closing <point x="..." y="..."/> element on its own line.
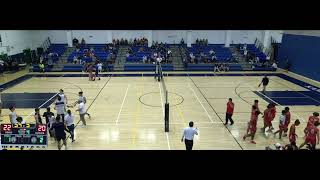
<point x="7" y="127"/>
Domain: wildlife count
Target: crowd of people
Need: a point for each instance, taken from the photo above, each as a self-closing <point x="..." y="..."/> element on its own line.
<point x="219" y="67"/>
<point x="60" y="123"/>
<point x="136" y="41"/>
<point x="203" y="42"/>
<point x="200" y="56"/>
<point x="159" y="52"/>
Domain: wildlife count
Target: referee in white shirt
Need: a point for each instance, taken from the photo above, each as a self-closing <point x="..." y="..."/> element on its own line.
<point x="188" y="135"/>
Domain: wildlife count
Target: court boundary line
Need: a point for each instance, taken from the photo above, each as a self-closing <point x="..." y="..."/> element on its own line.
<point x="217" y="114"/>
<point x="168" y="142"/>
<point x="297" y="91"/>
<point x="125" y="96"/>
<point x="200" y="103"/>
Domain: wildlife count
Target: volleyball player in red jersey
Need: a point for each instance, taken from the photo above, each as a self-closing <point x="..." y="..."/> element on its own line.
<point x="313" y="118"/>
<point x="252" y="125"/>
<point x="266" y="121"/>
<point x="312" y="135"/>
<point x="272" y="115"/>
<point x="288" y="119"/>
<point x="293" y="135"/>
<point x="229" y="113"/>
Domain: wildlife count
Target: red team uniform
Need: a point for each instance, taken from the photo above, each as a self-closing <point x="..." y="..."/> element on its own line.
<point x="266" y="118"/>
<point x="292" y="134"/>
<point x="311" y="120"/>
<point x="311" y="135"/>
<point x="253" y="122"/>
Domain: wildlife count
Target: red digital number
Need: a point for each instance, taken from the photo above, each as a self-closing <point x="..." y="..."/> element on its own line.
<point x="7" y="127"/>
<point x="41" y="128"/>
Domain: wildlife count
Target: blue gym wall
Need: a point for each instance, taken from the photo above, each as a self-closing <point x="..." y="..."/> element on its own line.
<point x="303" y="53"/>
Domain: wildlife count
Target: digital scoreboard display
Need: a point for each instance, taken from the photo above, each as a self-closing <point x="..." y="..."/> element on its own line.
<point x="24" y="135"/>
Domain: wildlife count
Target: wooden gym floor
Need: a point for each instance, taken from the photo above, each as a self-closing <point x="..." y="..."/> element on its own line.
<point x="127" y="112"/>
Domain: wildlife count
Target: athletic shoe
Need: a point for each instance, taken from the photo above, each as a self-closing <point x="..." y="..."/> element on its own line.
<point x="231" y="124"/>
<point x="285" y="135"/>
<point x="253" y="142"/>
<point x="244" y="138"/>
<point x="73" y="140"/>
<point x="225" y="124"/>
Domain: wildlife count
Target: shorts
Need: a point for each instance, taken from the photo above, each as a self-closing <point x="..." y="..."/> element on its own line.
<point x="311" y="140"/>
<point x="252" y="129"/>
<point x="292" y="139"/>
<point x="267" y="122"/>
<point x="282" y="127"/>
<point x="59" y="138"/>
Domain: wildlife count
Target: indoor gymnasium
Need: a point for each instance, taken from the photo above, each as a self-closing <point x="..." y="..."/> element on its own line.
<point x="159" y="89"/>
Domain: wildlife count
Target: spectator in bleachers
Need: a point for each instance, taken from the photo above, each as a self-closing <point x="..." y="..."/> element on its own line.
<point x="83" y="43"/>
<point x="214" y="58"/>
<point x="197" y="41"/>
<point x="274" y="65"/>
<point x="75" y="41"/>
<point x="75" y="60"/>
<point x="216" y="68"/>
<point x="211" y="52"/>
<point x="169" y="53"/>
<point x="127" y="54"/>
<point x="192" y="57"/>
<point x="41" y="67"/>
<point x="144" y="59"/>
<point x="257" y="60"/>
<point x="182" y="41"/>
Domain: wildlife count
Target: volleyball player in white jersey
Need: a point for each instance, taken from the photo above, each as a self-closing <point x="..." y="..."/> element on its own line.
<point x="63" y="96"/>
<point x="13" y="115"/>
<point x="60" y="107"/>
<point x="84" y="100"/>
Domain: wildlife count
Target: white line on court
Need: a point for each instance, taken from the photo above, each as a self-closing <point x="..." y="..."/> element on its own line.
<point x="42" y="105"/>
<point x="124" y="98"/>
<point x="201" y="103"/>
<point x="167" y="135"/>
<point x="252" y="88"/>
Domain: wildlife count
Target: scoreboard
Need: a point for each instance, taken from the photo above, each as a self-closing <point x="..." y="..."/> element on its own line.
<point x="24" y="135"/>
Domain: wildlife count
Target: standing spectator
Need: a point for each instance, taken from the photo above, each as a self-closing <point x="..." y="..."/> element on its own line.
<point x="229" y="113"/>
<point x="188" y="135"/>
<point x="75" y="41"/>
<point x="182" y="41"/>
<point x="83" y="42"/>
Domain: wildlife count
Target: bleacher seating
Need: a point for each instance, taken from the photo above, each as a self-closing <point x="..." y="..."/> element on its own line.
<point x="223" y="54"/>
<point x="136" y="56"/>
<point x="57" y="48"/>
<point x="255" y="51"/>
<point x="99" y="51"/>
